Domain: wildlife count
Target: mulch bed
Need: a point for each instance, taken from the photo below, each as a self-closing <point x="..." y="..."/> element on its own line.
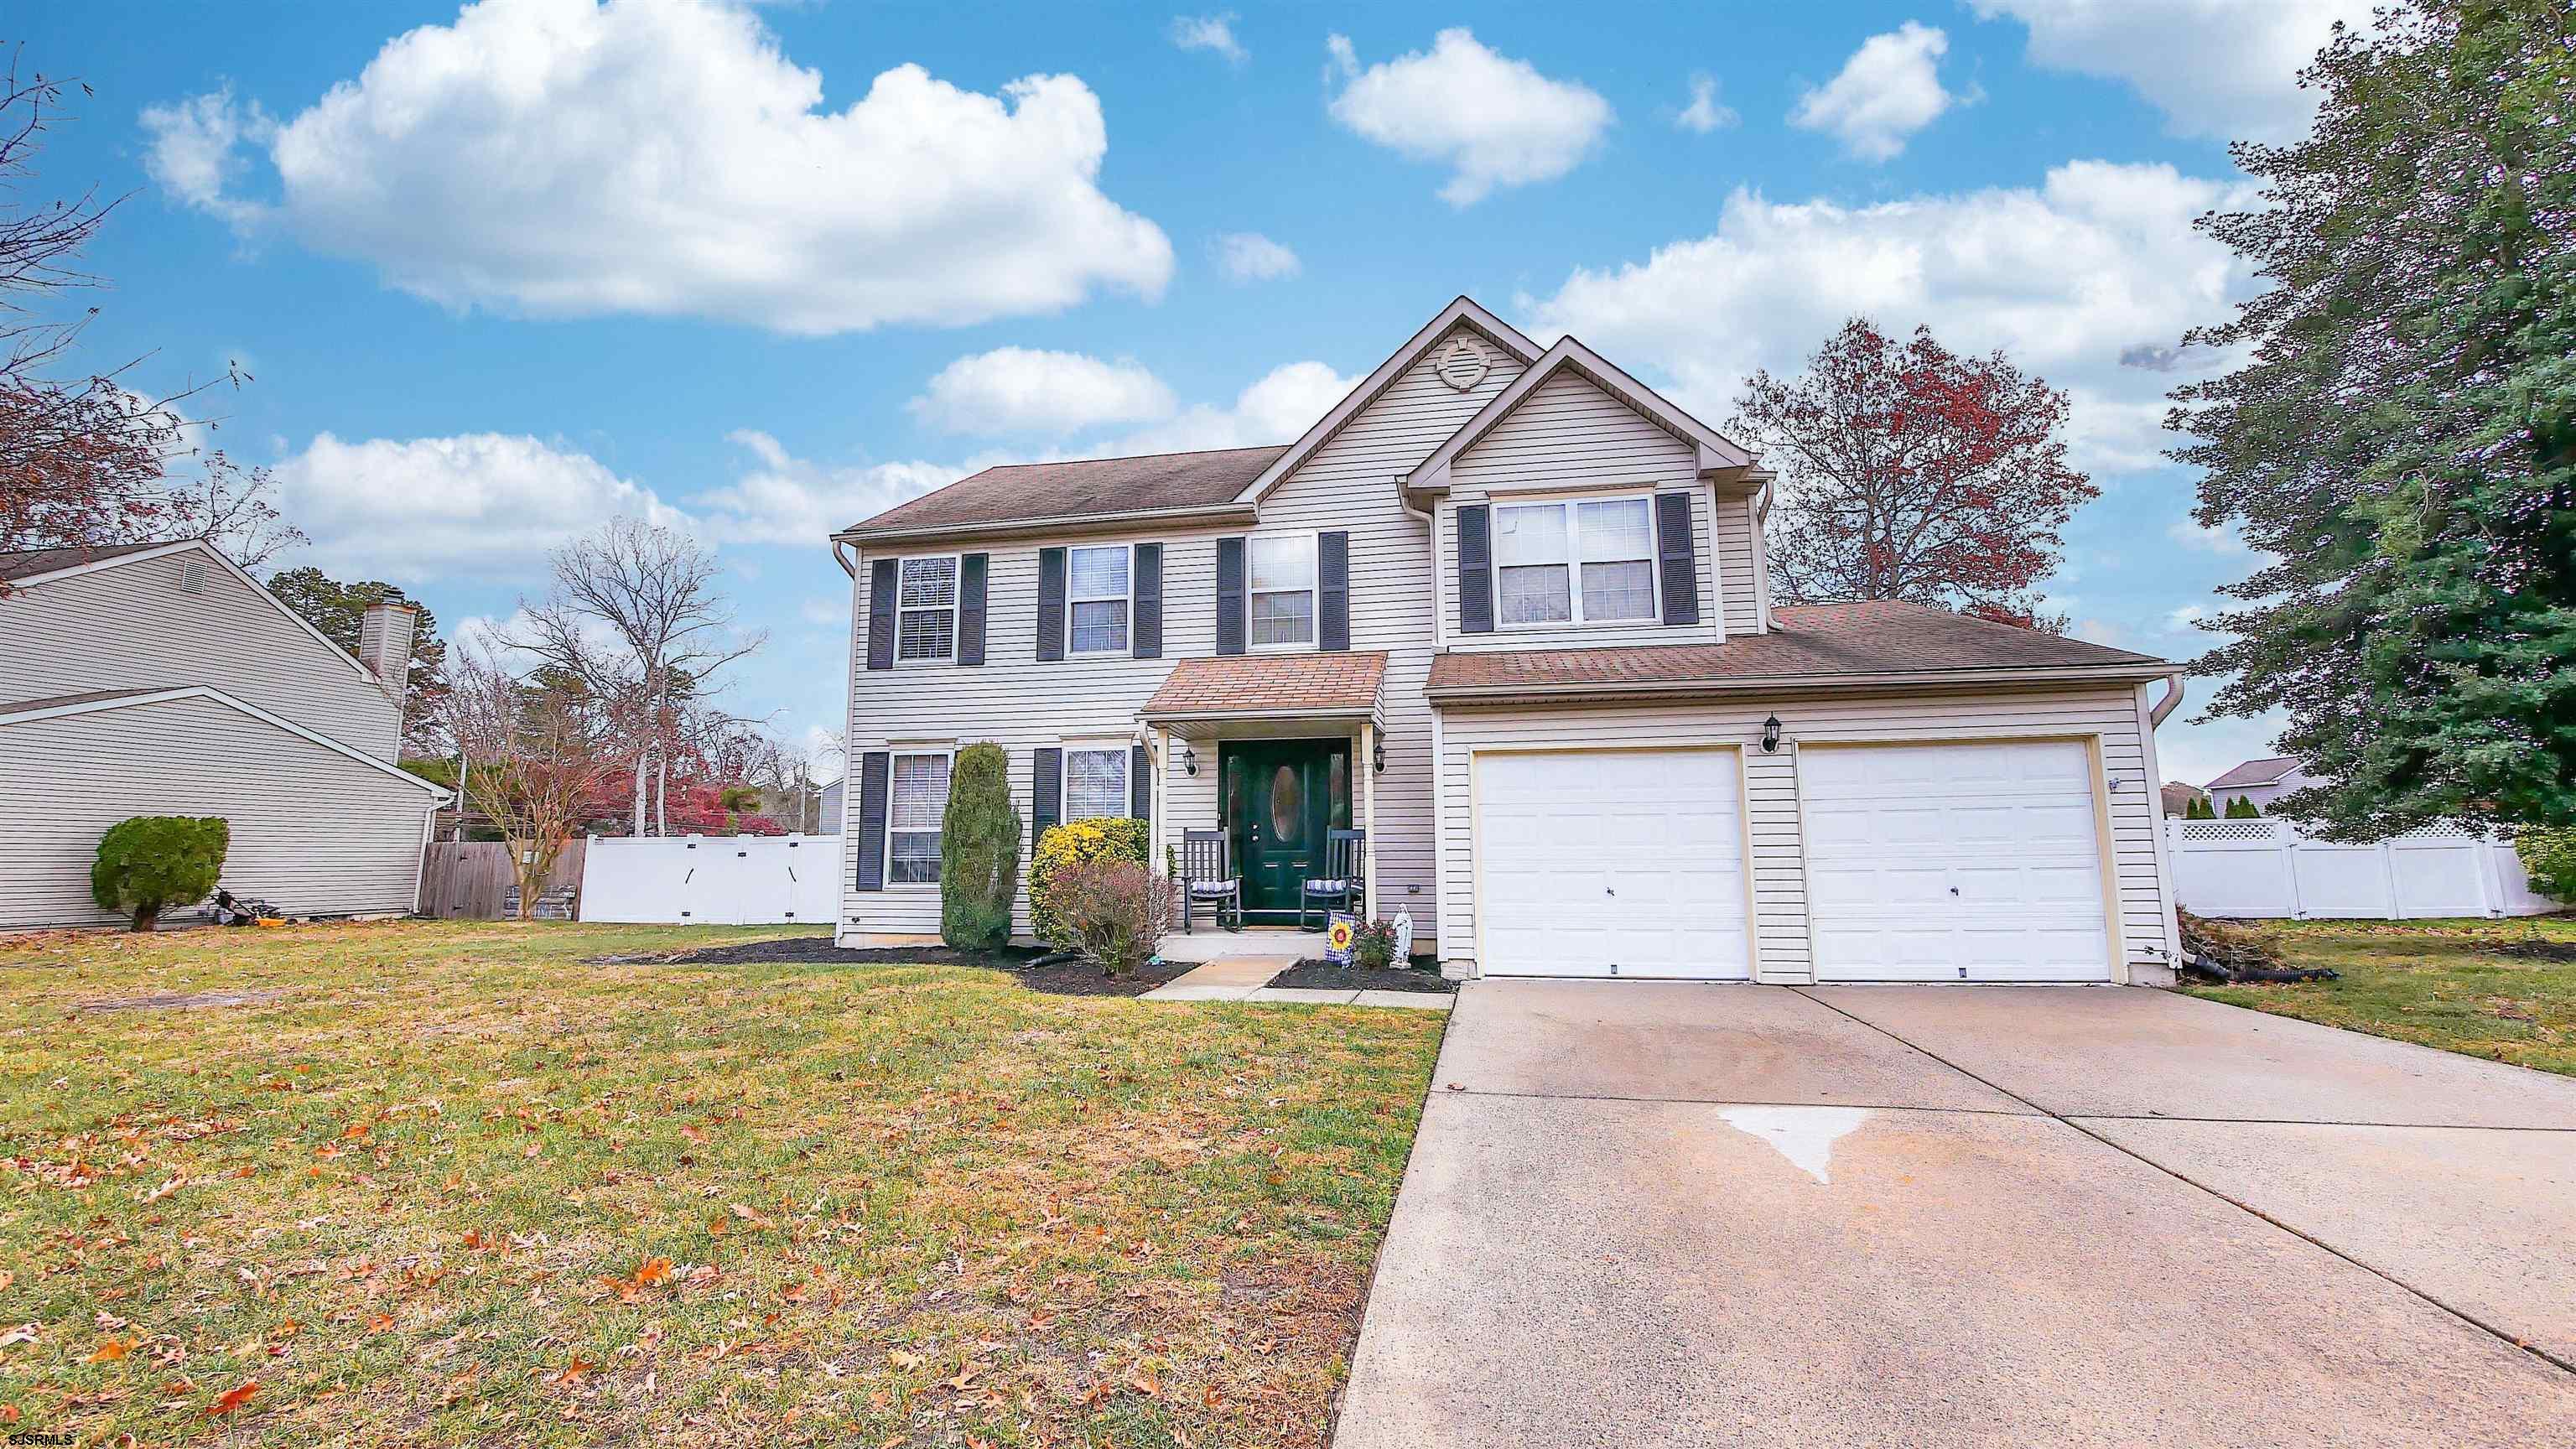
<point x="1317" y="974"/>
<point x="1064" y="978"/>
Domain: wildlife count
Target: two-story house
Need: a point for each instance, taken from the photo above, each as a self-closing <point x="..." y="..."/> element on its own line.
<point x="160" y="679"/>
<point x="1506" y="610"/>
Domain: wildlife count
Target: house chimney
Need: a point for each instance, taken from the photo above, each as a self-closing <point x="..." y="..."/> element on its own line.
<point x="384" y="645"/>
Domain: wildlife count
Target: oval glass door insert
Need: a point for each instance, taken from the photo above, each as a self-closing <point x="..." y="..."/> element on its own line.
<point x="1287" y="807"/>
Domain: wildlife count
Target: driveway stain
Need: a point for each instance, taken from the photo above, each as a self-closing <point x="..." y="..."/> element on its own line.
<point x="1804" y="1135"/>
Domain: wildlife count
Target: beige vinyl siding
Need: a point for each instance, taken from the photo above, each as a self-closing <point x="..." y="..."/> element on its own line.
<point x="1735" y="564"/>
<point x="1782" y="954"/>
<point x="314" y="831"/>
<point x="1021" y="704"/>
<point x="127" y="626"/>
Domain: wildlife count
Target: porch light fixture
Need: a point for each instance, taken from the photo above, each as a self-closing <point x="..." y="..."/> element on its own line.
<point x="1771" y="735"/>
<point x="1189" y="760"/>
<point x="1377" y="757"/>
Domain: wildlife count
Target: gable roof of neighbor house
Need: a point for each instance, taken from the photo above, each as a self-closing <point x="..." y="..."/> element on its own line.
<point x="1810" y="645"/>
<point x="103" y="699"/>
<point x="27" y="563"/>
<point x="1342" y="682"/>
<point x="1079" y="488"/>
<point x="2257" y="772"/>
<point x="31" y="565"/>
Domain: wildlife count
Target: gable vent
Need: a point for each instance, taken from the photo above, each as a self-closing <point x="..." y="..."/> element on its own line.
<point x="192" y="576"/>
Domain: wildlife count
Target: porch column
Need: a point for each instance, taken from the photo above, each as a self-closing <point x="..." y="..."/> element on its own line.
<point x="1157" y="744"/>
<point x="1367" y="776"/>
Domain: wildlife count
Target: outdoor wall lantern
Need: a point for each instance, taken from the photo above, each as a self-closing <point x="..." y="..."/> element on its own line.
<point x="1771" y="735"/>
<point x="1189" y="760"/>
<point x="1377" y="757"/>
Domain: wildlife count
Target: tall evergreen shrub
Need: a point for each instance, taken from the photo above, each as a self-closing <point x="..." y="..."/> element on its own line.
<point x="979" y="851"/>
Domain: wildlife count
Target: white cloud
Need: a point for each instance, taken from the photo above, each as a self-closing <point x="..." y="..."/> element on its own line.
<point x="787" y="500"/>
<point x="1704" y="113"/>
<point x="1277" y="409"/>
<point x="194" y="151"/>
<point x="1887" y="91"/>
<point x="2180" y="620"/>
<point x="1495" y="121"/>
<point x="558" y="157"/>
<point x="2098" y="631"/>
<point x="2224" y="541"/>
<point x="1248" y="256"/>
<point x="1209" y="32"/>
<point x="2062" y="278"/>
<point x="2222" y="68"/>
<point x="1020" y="389"/>
<point x="481" y="505"/>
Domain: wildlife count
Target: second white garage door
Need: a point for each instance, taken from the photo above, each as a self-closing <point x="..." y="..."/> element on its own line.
<point x="1611" y="863"/>
<point x="1954" y="862"/>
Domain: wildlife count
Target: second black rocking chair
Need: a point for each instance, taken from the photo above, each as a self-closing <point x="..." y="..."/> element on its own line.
<point x="1345" y="856"/>
<point x="1208" y="878"/>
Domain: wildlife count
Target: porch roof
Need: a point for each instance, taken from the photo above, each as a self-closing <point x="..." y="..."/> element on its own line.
<point x="1344" y="684"/>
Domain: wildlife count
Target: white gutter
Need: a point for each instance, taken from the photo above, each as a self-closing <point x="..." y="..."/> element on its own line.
<point x="1798" y="683"/>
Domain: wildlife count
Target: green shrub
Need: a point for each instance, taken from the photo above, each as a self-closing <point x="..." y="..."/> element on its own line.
<point x="1073" y="843"/>
<point x="2199" y="809"/>
<point x="2243" y="808"/>
<point x="1373" y="944"/>
<point x="979" y="851"/>
<point x="153" y="862"/>
<point x="2549" y="858"/>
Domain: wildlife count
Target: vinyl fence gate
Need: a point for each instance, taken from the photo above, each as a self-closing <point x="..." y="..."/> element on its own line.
<point x="713" y="880"/>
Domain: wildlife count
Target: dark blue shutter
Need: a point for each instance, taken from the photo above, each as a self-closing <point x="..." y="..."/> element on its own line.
<point x="1475" y="570"/>
<point x="1146" y="633"/>
<point x="1229" y="596"/>
<point x="881" y="614"/>
<point x="1050" y="603"/>
<point x="971" y="572"/>
<point x="1140" y="784"/>
<point x="1333" y="591"/>
<point x="1046" y="795"/>
<point x="875" y="768"/>
<point x="1677" y="558"/>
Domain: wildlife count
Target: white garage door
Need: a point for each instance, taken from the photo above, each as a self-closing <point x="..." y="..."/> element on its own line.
<point x="1611" y="863"/>
<point x="1954" y="863"/>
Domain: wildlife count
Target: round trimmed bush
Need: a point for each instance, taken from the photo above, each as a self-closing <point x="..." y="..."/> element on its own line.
<point x="153" y="862"/>
<point x="1077" y="842"/>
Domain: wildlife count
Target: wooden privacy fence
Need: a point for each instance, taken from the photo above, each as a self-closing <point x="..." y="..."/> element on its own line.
<point x="471" y="880"/>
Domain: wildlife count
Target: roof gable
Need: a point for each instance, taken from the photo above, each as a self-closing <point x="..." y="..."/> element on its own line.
<point x="1462" y="312"/>
<point x="1716" y="452"/>
<point x="73" y="562"/>
<point x="2270" y="771"/>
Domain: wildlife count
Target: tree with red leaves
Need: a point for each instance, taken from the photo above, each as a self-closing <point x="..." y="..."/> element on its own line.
<point x="1910" y="472"/>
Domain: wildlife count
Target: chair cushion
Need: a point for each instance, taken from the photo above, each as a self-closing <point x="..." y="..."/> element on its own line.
<point x="1214" y="887"/>
<point x="1326" y="887"/>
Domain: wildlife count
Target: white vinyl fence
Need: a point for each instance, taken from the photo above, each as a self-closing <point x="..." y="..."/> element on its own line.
<point x="2268" y="868"/>
<point x="713" y="880"/>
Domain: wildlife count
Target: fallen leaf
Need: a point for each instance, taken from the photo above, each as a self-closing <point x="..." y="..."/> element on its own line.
<point x="110" y="1350"/>
<point x="652" y="1271"/>
<point x="904" y="1361"/>
<point x="379" y="1322"/>
<point x="23" y="1333"/>
<point x="573" y="1371"/>
<point x="230" y="1399"/>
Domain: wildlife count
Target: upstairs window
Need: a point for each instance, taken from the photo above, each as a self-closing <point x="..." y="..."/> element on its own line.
<point x="1283" y="591"/>
<point x="1097" y="600"/>
<point x="917" y="805"/>
<point x="1575" y="562"/>
<point x="926" y="610"/>
<point x="1095" y="784"/>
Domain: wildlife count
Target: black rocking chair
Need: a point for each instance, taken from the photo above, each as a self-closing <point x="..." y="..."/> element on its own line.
<point x="1339" y="886"/>
<point x="1208" y="878"/>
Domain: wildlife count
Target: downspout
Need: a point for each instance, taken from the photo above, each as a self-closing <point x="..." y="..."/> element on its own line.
<point x="847" y="567"/>
<point x="2165" y="706"/>
<point x="1762" y="547"/>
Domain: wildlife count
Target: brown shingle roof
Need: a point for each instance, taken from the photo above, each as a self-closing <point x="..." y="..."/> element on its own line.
<point x="2257" y="772"/>
<point x="26" y="563"/>
<point x="1033" y="492"/>
<point x="1338" y="683"/>
<point x="92" y="696"/>
<point x="1807" y="642"/>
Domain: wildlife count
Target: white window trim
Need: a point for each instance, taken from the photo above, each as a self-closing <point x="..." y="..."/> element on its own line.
<point x="1128" y="598"/>
<point x="1123" y="748"/>
<point x="1653" y="618"/>
<point x="886" y="880"/>
<point x="1314" y="592"/>
<point x="956" y="603"/>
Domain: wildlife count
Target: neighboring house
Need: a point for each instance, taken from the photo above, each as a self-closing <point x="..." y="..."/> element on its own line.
<point x="159" y="679"/>
<point x="2178" y="796"/>
<point x="2261" y="781"/>
<point x="1506" y="609"/>
<point x="827" y="818"/>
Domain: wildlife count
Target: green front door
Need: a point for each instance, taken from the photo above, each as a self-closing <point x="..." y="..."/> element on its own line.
<point x="1279" y="797"/>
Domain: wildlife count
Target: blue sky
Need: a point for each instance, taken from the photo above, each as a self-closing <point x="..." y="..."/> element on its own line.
<point x="501" y="272"/>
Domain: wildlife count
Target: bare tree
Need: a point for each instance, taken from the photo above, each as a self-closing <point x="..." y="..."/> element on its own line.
<point x="540" y="749"/>
<point x="634" y="611"/>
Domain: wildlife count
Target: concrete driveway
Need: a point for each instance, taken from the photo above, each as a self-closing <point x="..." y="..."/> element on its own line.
<point x="1643" y="1214"/>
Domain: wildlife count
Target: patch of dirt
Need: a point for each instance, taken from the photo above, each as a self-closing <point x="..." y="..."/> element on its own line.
<point x="2536" y="950"/>
<point x="1064" y="978"/>
<point x="1317" y="974"/>
<point x="181" y="1000"/>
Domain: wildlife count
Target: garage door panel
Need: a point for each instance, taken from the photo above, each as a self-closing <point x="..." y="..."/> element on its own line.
<point x="1976" y="862"/>
<point x="1593" y="860"/>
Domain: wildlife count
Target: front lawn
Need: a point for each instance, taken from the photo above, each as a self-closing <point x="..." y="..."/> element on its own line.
<point x="438" y="1183"/>
<point x="2486" y="988"/>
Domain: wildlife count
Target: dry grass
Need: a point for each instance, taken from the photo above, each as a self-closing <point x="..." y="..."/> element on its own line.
<point x="443" y="1184"/>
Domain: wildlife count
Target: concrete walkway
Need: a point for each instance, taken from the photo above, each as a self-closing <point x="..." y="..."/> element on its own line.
<point x="1245" y="979"/>
<point x="1644" y="1215"/>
